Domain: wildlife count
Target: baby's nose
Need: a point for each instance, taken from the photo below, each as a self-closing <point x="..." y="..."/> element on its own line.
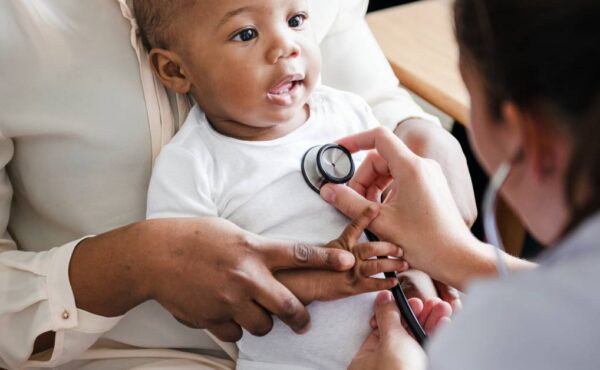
<point x="283" y="47"/>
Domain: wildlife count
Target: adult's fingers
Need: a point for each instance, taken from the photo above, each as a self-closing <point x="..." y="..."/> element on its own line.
<point x="448" y="294"/>
<point x="254" y="319"/>
<point x="227" y="331"/>
<point x="345" y="199"/>
<point x="365" y="251"/>
<point x="416" y="305"/>
<point x="391" y="148"/>
<point x="277" y="299"/>
<point x="388" y="317"/>
<point x="371" y="177"/>
<point x="282" y="255"/>
<point x="436" y="310"/>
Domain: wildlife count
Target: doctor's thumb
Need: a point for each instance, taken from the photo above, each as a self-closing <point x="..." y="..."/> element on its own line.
<point x="345" y="199"/>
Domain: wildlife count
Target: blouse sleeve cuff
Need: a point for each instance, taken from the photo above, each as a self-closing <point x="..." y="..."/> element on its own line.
<point x="76" y="330"/>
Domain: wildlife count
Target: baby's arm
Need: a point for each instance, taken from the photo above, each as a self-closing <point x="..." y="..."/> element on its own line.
<point x="310" y="285"/>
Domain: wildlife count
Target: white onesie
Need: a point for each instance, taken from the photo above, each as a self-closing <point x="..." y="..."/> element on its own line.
<point x="258" y="185"/>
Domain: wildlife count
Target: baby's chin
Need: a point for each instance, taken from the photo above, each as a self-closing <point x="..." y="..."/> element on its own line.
<point x="298" y="112"/>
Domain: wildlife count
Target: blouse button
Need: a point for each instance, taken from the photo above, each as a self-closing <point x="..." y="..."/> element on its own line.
<point x="66" y="315"/>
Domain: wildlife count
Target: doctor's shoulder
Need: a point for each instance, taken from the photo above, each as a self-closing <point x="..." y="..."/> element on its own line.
<point x="535" y="319"/>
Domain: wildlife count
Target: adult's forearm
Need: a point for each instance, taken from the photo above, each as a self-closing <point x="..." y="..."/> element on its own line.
<point x="104" y="272"/>
<point x="107" y="271"/>
<point x="475" y="260"/>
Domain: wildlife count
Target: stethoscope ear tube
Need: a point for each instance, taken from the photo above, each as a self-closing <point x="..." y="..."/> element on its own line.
<point x="402" y="302"/>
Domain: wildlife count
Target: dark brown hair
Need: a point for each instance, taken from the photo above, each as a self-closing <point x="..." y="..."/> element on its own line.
<point x="154" y="19"/>
<point x="543" y="53"/>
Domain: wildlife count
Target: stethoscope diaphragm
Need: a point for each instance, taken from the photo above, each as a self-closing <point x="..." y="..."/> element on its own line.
<point x="329" y="163"/>
<point x="332" y="163"/>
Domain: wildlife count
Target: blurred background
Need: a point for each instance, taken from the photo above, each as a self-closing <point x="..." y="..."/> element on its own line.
<point x="380" y="4"/>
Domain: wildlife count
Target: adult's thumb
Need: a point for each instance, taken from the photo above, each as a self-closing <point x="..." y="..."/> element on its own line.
<point x="388" y="317"/>
<point x="345" y="199"/>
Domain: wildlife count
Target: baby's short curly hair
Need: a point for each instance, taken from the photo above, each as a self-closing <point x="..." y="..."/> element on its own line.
<point x="154" y="18"/>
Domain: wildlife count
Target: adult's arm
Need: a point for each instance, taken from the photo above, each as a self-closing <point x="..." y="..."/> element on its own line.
<point x="67" y="297"/>
<point x="353" y="61"/>
<point x="419" y="214"/>
<point x="35" y="293"/>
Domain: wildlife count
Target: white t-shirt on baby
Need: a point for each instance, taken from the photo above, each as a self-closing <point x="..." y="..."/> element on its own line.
<point x="258" y="185"/>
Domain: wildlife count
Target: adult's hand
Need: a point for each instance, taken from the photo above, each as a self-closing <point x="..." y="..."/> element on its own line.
<point x="419" y="214"/>
<point x="207" y="272"/>
<point x="389" y="346"/>
<point x="431" y="141"/>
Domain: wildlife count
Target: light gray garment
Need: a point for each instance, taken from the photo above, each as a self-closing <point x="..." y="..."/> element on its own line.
<point x="547" y="318"/>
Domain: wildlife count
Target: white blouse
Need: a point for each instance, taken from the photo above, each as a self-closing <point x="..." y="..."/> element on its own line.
<point x="71" y="108"/>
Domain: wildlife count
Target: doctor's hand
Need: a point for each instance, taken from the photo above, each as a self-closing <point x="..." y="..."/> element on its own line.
<point x="315" y="285"/>
<point x="419" y="214"/>
<point x="389" y="346"/>
<point x="429" y="140"/>
<point x="207" y="272"/>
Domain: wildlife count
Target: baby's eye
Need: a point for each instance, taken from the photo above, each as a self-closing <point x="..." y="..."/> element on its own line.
<point x="297" y="20"/>
<point x="246" y="35"/>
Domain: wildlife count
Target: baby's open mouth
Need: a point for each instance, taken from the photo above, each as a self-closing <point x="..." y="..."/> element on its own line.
<point x="284" y="93"/>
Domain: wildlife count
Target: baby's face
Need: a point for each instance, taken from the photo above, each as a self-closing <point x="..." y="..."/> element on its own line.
<point x="254" y="62"/>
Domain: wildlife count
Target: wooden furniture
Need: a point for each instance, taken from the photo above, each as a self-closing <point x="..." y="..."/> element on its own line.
<point x="418" y="40"/>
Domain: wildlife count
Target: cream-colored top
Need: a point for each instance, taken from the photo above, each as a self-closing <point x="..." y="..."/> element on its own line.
<point x="75" y="159"/>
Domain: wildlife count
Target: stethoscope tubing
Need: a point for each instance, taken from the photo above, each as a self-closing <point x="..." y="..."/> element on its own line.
<point x="321" y="177"/>
<point x="402" y="302"/>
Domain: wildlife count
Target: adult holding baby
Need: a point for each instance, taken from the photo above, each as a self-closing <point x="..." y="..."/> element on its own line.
<point x="534" y="123"/>
<point x="77" y="159"/>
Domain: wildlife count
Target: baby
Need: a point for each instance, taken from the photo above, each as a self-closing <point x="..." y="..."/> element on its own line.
<point x="253" y="68"/>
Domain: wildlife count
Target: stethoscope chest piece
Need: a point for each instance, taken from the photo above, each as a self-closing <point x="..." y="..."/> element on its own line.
<point x="329" y="163"/>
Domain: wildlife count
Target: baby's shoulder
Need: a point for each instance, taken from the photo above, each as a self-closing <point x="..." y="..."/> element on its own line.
<point x="191" y="144"/>
<point x="193" y="136"/>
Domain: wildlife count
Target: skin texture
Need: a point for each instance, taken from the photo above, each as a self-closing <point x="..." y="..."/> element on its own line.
<point x="231" y="63"/>
<point x="112" y="273"/>
<point x="447" y="250"/>
<point x="538" y="150"/>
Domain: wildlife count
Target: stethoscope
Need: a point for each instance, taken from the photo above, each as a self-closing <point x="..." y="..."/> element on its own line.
<point x="332" y="163"/>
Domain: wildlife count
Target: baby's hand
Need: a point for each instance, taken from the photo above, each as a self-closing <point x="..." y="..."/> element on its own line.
<point x="313" y="285"/>
<point x="432" y="314"/>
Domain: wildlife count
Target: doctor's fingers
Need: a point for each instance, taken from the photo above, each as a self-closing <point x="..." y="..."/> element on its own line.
<point x="416" y="305"/>
<point x="390" y="147"/>
<point x="388" y="317"/>
<point x="283" y="255"/>
<point x="372" y="177"/>
<point x="278" y="300"/>
<point x="345" y="199"/>
<point x="435" y="312"/>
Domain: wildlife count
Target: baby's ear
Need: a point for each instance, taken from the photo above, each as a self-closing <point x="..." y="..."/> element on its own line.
<point x="166" y="66"/>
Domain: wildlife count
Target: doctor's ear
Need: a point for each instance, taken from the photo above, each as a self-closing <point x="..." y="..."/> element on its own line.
<point x="167" y="67"/>
<point x="536" y="134"/>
